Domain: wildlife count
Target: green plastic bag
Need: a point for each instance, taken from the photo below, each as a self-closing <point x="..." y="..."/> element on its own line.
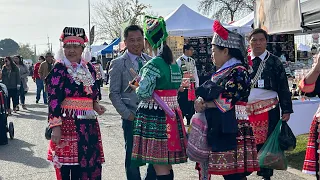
<point x="270" y="155"/>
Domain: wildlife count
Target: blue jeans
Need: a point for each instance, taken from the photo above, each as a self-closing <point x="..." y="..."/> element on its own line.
<point x="133" y="173"/>
<point x="40" y="87"/>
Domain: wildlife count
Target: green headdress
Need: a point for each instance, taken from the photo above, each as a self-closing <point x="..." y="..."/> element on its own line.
<point x="155" y="31"/>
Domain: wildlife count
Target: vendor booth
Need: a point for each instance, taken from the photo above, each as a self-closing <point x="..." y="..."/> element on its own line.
<point x="188" y="23"/>
<point x="184" y="25"/>
<point x="245" y="23"/>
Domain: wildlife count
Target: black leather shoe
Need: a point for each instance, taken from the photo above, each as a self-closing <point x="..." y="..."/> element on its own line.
<point x="266" y="178"/>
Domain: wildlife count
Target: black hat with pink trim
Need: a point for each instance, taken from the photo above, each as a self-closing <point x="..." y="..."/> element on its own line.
<point x="73" y="35"/>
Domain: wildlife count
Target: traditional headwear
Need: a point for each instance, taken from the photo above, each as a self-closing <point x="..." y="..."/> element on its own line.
<point x="155" y="32"/>
<point x="225" y="38"/>
<point x="73" y="35"/>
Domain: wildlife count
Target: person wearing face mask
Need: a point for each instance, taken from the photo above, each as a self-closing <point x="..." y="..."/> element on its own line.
<point x="223" y="100"/>
<point x="75" y="147"/>
<point x="190" y="81"/>
<point x="124" y="99"/>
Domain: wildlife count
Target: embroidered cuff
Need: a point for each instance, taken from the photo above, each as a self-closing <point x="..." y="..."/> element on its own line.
<point x="222" y="104"/>
<point x="56" y="121"/>
<point x="307" y="88"/>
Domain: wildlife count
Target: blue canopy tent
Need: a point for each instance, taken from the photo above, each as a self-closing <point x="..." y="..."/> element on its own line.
<point x="96" y="49"/>
<point x="109" y="48"/>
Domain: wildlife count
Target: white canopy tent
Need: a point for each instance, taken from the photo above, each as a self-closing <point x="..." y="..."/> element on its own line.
<point x="188" y="23"/>
<point x="245" y="23"/>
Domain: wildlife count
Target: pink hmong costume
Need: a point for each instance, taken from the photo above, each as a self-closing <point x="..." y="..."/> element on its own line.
<point x="72" y="91"/>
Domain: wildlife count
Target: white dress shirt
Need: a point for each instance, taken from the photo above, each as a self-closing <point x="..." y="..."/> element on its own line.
<point x="259" y="94"/>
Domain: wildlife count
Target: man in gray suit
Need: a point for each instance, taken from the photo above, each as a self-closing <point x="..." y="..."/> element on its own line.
<point x="126" y="101"/>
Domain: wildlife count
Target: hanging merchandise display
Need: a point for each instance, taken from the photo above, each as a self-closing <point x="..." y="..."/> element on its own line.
<point x="202" y="55"/>
<point x="282" y="45"/>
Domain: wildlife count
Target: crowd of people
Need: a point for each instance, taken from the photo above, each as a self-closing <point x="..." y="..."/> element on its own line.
<point x="14" y="76"/>
<point x="243" y="101"/>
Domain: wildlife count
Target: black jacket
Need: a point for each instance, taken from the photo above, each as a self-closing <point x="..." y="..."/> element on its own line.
<point x="275" y="79"/>
<point x="11" y="78"/>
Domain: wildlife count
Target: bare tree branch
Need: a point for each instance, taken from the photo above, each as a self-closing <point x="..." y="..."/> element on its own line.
<point x="226" y="10"/>
<point x="110" y="14"/>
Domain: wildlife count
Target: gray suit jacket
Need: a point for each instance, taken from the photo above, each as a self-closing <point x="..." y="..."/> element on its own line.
<point x="120" y="75"/>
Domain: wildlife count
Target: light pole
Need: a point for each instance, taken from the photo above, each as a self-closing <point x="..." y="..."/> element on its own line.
<point x="89" y="5"/>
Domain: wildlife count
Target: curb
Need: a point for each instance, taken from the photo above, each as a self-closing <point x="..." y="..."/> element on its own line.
<point x="300" y="173"/>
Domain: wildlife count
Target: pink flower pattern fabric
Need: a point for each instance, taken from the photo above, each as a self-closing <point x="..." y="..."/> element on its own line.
<point x="87" y="146"/>
<point x="59" y="79"/>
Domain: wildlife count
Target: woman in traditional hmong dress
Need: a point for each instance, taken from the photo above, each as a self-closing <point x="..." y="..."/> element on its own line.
<point x="159" y="139"/>
<point x="75" y="147"/>
<point x="312" y="161"/>
<point x="233" y="153"/>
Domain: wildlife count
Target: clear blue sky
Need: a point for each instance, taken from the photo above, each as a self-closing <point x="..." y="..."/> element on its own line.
<point x="30" y="21"/>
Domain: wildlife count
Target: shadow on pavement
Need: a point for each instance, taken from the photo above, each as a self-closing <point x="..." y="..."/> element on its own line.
<point x="37" y="105"/>
<point x="30" y="114"/>
<point x="29" y="93"/>
<point x="39" y="113"/>
<point x="20" y="152"/>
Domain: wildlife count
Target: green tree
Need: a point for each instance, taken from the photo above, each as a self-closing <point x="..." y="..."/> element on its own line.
<point x="109" y="15"/>
<point x="226" y="10"/>
<point x="8" y="47"/>
<point x="26" y="52"/>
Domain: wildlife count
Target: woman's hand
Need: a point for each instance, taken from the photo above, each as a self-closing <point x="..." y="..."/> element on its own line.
<point x="199" y="105"/>
<point x="99" y="108"/>
<point x="134" y="87"/>
<point x="181" y="89"/>
<point x="56" y="135"/>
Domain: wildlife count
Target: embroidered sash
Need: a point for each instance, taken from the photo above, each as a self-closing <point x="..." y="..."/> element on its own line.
<point x="79" y="107"/>
<point x="174" y="141"/>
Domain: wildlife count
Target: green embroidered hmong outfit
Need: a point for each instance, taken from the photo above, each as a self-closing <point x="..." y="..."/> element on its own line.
<point x="158" y="139"/>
